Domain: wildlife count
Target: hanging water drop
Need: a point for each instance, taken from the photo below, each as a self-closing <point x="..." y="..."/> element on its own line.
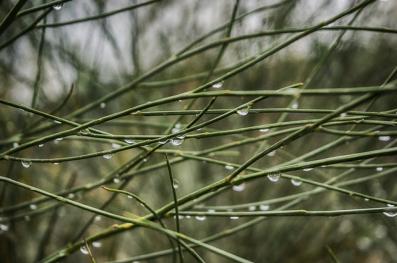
<point x="107" y="156"/>
<point x="102" y="105"/>
<point x="57" y="140"/>
<point x="26" y="164"/>
<point x="234" y="217"/>
<point x="296" y="182"/>
<point x="175" y="184"/>
<point x="163" y="142"/>
<point x="116" y="180"/>
<point x="229" y="167"/>
<point x="243" y="111"/>
<point x="390" y="213"/>
<point x="307" y="169"/>
<point x="218" y="85"/>
<point x="176" y="141"/>
<point x="84" y="250"/>
<point x="129" y="196"/>
<point x="41" y="145"/>
<point x="71" y="195"/>
<point x="57" y="7"/>
<point x="211" y="211"/>
<point x="271" y="154"/>
<point x="15" y="145"/>
<point x="264" y="130"/>
<point x="33" y="206"/>
<point x="252" y="208"/>
<point x="115" y="145"/>
<point x="129" y="141"/>
<point x="379" y="169"/>
<point x="57" y="122"/>
<point x="273" y="177"/>
<point x="264" y="207"/>
<point x="200" y="218"/>
<point x="384" y="138"/>
<point x="295" y="105"/>
<point x="239" y="188"/>
<point x="4" y="227"/>
<point x="97" y="218"/>
<point x="96" y="244"/>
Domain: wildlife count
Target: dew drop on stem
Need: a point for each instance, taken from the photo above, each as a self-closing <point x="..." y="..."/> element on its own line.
<point x="57" y="7"/>
<point x="239" y="188"/>
<point x="26" y="164"/>
<point x="84" y="250"/>
<point x="264" y="207"/>
<point x="296" y="182"/>
<point x="218" y="85"/>
<point x="273" y="177"/>
<point x="243" y="111"/>
<point x="107" y="156"/>
<point x="200" y="218"/>
<point x="129" y="141"/>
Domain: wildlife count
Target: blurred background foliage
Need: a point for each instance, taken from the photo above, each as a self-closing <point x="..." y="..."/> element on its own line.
<point x="96" y="57"/>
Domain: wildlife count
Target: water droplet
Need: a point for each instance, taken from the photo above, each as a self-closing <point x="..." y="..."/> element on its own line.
<point x="264" y="207"/>
<point x="55" y="163"/>
<point x="176" y="141"/>
<point x="218" y="85"/>
<point x="296" y="182"/>
<point x="102" y="105"/>
<point x="84" y="250"/>
<point x="243" y="111"/>
<point x="229" y="167"/>
<point x="366" y="199"/>
<point x="97" y="218"/>
<point x="129" y="196"/>
<point x="234" y="217"/>
<point x="390" y="213"/>
<point x="41" y="145"/>
<point x="116" y="180"/>
<point x="200" y="218"/>
<point x="239" y="188"/>
<point x="379" y="169"/>
<point x="129" y="141"/>
<point x="97" y="244"/>
<point x="33" y="206"/>
<point x="107" y="156"/>
<point x="163" y="142"/>
<point x="57" y="7"/>
<point x="271" y="154"/>
<point x="178" y="125"/>
<point x="343" y="114"/>
<point x="26" y="164"/>
<point x="175" y="184"/>
<point x="211" y="211"/>
<point x="57" y="140"/>
<point x="251" y="208"/>
<point x="264" y="130"/>
<point x="15" y="145"/>
<point x="115" y="145"/>
<point x="71" y="196"/>
<point x="175" y="130"/>
<point x="273" y="177"/>
<point x="4" y="227"/>
<point x="384" y="138"/>
<point x="295" y="105"/>
<point x="57" y="122"/>
<point x="307" y="169"/>
<point x="188" y="217"/>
